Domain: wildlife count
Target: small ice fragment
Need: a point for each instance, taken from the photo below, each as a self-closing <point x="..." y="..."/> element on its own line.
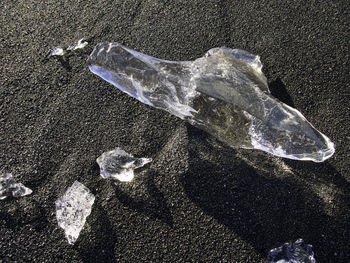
<point x="72" y="209"/>
<point x="9" y="186"/>
<point x="81" y="44"/>
<point x="297" y="252"/>
<point x="119" y="164"/>
<point x="56" y="51"/>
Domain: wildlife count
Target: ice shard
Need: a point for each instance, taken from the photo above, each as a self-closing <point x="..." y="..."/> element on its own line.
<point x="9" y="186"/>
<point x="72" y="209"/>
<point x="118" y="164"/>
<point x="224" y="93"/>
<point x="297" y="252"/>
<point x="56" y="51"/>
<point x="79" y="45"/>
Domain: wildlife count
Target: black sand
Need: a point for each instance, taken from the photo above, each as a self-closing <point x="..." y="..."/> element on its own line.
<point x="199" y="200"/>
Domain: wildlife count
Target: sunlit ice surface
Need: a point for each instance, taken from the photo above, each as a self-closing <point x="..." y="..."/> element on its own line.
<point x="120" y="165"/>
<point x="224" y="93"/>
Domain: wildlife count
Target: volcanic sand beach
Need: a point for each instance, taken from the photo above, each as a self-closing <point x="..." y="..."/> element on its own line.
<point x="199" y="200"/>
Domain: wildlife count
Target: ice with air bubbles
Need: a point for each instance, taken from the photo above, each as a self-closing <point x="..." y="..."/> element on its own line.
<point x="72" y="209"/>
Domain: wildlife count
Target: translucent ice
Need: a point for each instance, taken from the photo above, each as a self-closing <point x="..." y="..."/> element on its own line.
<point x="72" y="209"/>
<point x="80" y="44"/>
<point x="119" y="164"/>
<point x="297" y="252"/>
<point x="9" y="186"/>
<point x="56" y="51"/>
<point x="224" y="93"/>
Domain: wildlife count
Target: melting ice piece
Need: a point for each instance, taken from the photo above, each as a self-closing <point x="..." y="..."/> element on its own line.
<point x="224" y="93"/>
<point x="119" y="164"/>
<point x="297" y="252"/>
<point x="56" y="51"/>
<point x="81" y="44"/>
<point x="9" y="186"/>
<point x="72" y="209"/>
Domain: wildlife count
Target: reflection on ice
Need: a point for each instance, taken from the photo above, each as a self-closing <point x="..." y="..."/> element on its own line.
<point x="224" y="93"/>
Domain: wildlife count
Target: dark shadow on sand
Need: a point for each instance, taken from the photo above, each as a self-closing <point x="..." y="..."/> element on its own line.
<point x="279" y="91"/>
<point x="153" y="204"/>
<point x="260" y="207"/>
<point x="98" y="246"/>
<point x="34" y="216"/>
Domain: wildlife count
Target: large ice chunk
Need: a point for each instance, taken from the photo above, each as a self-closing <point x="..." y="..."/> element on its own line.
<point x="297" y="252"/>
<point x="119" y="164"/>
<point x="224" y="93"/>
<point x="9" y="186"/>
<point x="72" y="209"/>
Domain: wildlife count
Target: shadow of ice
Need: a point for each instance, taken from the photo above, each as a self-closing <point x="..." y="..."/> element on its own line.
<point x="101" y="240"/>
<point x="262" y="207"/>
<point x="279" y="91"/>
<point x="150" y="202"/>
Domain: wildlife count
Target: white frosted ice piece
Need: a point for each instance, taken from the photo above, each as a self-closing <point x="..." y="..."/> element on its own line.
<point x="297" y="252"/>
<point x="9" y="186"/>
<point x="79" y="45"/>
<point x="56" y="51"/>
<point x="72" y="209"/>
<point x="224" y="93"/>
<point x="119" y="164"/>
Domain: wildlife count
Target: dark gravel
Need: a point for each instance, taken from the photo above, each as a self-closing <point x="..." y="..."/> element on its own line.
<point x="199" y="200"/>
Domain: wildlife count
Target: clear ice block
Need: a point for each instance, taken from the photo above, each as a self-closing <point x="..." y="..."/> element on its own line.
<point x="119" y="164"/>
<point x="224" y="93"/>
<point x="72" y="209"/>
<point x="297" y="252"/>
<point x="9" y="186"/>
